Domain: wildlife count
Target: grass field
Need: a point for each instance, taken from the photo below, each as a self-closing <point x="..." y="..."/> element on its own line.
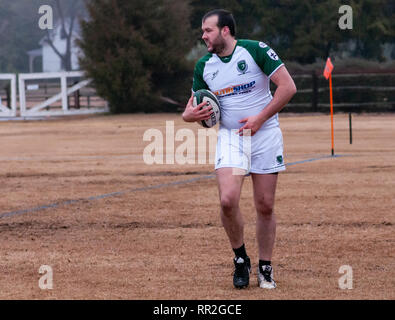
<point x="160" y="236"/>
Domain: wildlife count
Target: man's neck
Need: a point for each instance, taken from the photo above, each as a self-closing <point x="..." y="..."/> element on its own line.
<point x="228" y="50"/>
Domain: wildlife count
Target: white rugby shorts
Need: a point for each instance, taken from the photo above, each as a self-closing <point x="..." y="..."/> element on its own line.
<point x="261" y="153"/>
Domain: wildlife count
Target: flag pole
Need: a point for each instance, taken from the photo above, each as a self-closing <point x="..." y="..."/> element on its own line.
<point x="328" y="76"/>
<point x="331" y="101"/>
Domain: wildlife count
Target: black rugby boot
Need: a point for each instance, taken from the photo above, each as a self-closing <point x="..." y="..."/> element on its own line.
<point x="241" y="276"/>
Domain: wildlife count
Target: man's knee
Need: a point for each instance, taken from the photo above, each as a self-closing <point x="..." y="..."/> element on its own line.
<point x="228" y="203"/>
<point x="264" y="207"/>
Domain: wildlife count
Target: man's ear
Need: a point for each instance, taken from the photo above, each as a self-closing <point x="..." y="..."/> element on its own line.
<point x="225" y="31"/>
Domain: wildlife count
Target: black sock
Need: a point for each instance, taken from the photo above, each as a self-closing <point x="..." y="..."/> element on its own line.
<point x="240" y="252"/>
<point x="264" y="263"/>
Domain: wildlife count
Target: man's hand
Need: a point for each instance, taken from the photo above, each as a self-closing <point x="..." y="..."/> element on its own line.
<point x="252" y="123"/>
<point x="285" y="90"/>
<point x="198" y="113"/>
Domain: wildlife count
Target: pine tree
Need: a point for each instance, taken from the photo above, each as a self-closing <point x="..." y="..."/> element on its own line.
<point x="135" y="52"/>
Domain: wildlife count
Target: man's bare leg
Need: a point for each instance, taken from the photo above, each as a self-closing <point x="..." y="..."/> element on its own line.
<point x="229" y="185"/>
<point x="264" y="193"/>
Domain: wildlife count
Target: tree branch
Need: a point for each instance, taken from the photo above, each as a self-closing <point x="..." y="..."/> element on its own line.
<point x="68" y="45"/>
<point x="72" y="18"/>
<point x="49" y="41"/>
<point x="61" y="16"/>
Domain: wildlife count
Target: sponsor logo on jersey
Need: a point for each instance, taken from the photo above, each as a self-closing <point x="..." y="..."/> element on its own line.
<point x="238" y="89"/>
<point x="214" y="74"/>
<point x="262" y="44"/>
<point x="242" y="66"/>
<point x="272" y="54"/>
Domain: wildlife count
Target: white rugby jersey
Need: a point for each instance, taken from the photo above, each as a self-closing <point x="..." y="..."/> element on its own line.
<point x="240" y="81"/>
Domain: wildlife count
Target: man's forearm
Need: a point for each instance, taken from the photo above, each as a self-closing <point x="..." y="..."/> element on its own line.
<point x="281" y="97"/>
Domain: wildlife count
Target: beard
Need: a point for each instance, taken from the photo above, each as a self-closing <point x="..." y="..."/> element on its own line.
<point x="217" y="45"/>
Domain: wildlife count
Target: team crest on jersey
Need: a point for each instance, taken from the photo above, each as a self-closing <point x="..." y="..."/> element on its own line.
<point x="242" y="66"/>
<point x="272" y="54"/>
<point x="279" y="159"/>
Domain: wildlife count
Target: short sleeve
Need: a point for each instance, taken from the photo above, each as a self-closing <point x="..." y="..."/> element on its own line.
<point x="264" y="56"/>
<point x="271" y="61"/>
<point x="198" y="81"/>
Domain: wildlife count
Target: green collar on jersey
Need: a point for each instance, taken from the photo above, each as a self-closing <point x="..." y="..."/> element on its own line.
<point x="226" y="59"/>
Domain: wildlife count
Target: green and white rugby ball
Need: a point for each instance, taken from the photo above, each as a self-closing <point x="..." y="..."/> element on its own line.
<point x="204" y="95"/>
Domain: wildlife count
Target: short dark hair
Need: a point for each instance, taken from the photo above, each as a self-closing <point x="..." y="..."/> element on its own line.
<point x="225" y="18"/>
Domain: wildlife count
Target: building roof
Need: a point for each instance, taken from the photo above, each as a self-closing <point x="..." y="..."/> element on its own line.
<point x="35" y="52"/>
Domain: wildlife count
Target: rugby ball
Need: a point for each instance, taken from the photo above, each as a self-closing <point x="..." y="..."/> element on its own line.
<point x="204" y="95"/>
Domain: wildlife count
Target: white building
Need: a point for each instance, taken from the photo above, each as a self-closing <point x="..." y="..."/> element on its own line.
<point x="51" y="62"/>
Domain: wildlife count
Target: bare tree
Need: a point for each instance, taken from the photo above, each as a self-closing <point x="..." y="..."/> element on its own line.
<point x="67" y="16"/>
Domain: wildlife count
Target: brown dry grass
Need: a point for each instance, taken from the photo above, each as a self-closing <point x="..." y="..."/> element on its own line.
<point x="168" y="243"/>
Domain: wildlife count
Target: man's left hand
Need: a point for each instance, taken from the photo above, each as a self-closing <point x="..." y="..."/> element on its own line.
<point x="252" y="123"/>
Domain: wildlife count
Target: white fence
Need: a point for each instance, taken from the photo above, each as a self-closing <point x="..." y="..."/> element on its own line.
<point x="46" y="107"/>
<point x="5" y="111"/>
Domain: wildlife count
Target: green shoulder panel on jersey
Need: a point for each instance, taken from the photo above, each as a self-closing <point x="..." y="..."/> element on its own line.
<point x="198" y="81"/>
<point x="264" y="56"/>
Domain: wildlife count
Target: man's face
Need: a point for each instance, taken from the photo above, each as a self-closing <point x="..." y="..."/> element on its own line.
<point x="212" y="35"/>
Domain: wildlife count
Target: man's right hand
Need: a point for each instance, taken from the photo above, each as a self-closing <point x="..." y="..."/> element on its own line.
<point x="198" y="113"/>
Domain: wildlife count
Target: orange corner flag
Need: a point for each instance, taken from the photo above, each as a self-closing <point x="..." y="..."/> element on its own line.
<point x="328" y="68"/>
